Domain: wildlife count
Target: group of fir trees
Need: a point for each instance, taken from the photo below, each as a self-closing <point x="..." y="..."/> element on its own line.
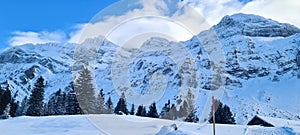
<point x="186" y="111"/>
<point x="121" y="107"/>
<point x="153" y="113"/>
<point x="62" y="103"/>
<point x="82" y="100"/>
<point x="223" y="114"/>
<point x="34" y="105"/>
<point x="141" y="111"/>
<point x="8" y="106"/>
<point x="79" y="100"/>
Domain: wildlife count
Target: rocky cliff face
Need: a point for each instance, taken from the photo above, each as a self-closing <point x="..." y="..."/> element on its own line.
<point x="260" y="56"/>
<point x="253" y="26"/>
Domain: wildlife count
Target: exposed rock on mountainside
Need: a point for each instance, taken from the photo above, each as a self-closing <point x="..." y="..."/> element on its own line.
<point x="261" y="56"/>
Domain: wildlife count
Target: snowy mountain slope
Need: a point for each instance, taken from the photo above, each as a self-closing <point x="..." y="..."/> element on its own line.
<point x="260" y="62"/>
<point x="115" y="125"/>
<point x="22" y="65"/>
<point x="263" y="74"/>
<point x="253" y="26"/>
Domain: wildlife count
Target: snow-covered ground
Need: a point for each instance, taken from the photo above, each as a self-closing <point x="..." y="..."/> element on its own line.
<point x="130" y="125"/>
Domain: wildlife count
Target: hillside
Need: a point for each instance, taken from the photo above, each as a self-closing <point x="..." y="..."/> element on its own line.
<point x="259" y="56"/>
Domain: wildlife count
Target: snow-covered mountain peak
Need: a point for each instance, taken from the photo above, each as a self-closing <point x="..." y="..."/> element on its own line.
<point x="156" y="41"/>
<point x="254" y="26"/>
<point x="257" y="51"/>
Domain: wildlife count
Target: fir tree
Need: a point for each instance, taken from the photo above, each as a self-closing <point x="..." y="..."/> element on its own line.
<point x="46" y="110"/>
<point x="190" y="99"/>
<point x="139" y="111"/>
<point x="187" y="111"/>
<point x="36" y="99"/>
<point x="61" y="107"/>
<point x="85" y="91"/>
<point x="121" y="106"/>
<point x="101" y="107"/>
<point x="13" y="108"/>
<point x="186" y="107"/>
<point x="132" y="110"/>
<point x="1" y="92"/>
<point x="183" y="110"/>
<point x="152" y="111"/>
<point x="165" y="109"/>
<point x="192" y="117"/>
<point x="56" y="104"/>
<point x="101" y="94"/>
<point x="223" y="114"/>
<point x="22" y="109"/>
<point x="6" y="114"/>
<point x="64" y="103"/>
<point x="172" y="114"/>
<point x="72" y="105"/>
<point x="144" y="112"/>
<point x="5" y="99"/>
<point x="109" y="105"/>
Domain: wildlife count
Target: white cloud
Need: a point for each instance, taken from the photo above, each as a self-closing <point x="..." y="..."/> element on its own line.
<point x="283" y="11"/>
<point x="181" y="25"/>
<point x="20" y="38"/>
<point x="75" y="35"/>
<point x="214" y="10"/>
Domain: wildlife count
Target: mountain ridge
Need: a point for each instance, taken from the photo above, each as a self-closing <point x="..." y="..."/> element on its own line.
<point x="257" y="51"/>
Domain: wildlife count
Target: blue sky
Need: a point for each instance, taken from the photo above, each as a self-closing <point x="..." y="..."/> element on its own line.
<point x="46" y="15"/>
<point x="36" y="21"/>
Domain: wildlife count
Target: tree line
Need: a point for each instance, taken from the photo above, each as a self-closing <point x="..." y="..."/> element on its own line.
<point x="81" y="99"/>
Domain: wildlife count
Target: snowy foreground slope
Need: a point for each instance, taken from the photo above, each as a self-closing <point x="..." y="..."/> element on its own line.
<point x="129" y="125"/>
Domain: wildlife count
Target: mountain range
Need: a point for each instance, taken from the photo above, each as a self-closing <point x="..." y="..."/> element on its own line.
<point x="261" y="60"/>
